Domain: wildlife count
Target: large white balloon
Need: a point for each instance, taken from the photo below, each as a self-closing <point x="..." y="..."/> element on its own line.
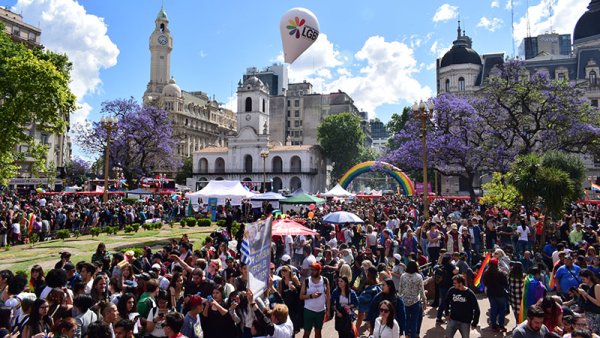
<point x="299" y="29"/>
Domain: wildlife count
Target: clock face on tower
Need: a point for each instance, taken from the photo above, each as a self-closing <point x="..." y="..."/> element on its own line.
<point x="248" y="117"/>
<point x="162" y="40"/>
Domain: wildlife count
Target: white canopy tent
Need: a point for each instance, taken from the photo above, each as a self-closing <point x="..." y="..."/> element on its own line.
<point x="338" y="191"/>
<point x="270" y="196"/>
<point x="221" y="190"/>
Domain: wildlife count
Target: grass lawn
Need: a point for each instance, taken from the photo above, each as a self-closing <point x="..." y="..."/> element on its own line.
<point x="23" y="257"/>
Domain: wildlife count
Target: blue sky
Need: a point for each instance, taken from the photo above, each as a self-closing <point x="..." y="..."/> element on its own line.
<point x="380" y="52"/>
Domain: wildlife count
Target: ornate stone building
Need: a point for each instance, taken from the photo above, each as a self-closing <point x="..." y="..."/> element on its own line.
<point x="198" y="120"/>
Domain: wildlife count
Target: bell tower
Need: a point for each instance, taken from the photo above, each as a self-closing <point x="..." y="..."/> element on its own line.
<point x="161" y="45"/>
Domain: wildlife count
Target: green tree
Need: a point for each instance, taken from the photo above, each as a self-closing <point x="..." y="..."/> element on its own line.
<point x="500" y="192"/>
<point x="341" y="138"/>
<point x="34" y="86"/>
<point x="397" y="123"/>
<point x="570" y="164"/>
<point x="185" y="171"/>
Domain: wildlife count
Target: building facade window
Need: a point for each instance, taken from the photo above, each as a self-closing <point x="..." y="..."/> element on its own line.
<point x="296" y="113"/>
<point x="248" y="104"/>
<point x="447" y="85"/>
<point x="592" y="77"/>
<point x="461" y="84"/>
<point x="296" y="103"/>
<point x="264" y="106"/>
<point x="594" y="103"/>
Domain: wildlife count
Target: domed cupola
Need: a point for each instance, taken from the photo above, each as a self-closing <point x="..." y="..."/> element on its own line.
<point x="172" y="89"/>
<point x="162" y="15"/>
<point x="589" y="23"/>
<point x="461" y="51"/>
<point x="253" y="83"/>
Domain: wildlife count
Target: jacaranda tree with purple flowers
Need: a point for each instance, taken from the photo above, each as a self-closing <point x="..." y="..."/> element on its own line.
<point x="516" y="113"/>
<point x="142" y="143"/>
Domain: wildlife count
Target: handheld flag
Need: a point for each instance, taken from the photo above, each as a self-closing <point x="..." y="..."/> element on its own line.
<point x="31" y="220"/>
<point x="478" y="278"/>
<point x="595" y="187"/>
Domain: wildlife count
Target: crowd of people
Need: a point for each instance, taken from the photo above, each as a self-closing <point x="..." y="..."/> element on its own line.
<point x="375" y="279"/>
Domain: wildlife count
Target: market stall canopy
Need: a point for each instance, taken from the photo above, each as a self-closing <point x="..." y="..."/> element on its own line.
<point x="221" y="190"/>
<point x="302" y="199"/>
<point x="272" y="197"/>
<point x="338" y="191"/>
<point x="286" y="227"/>
<point x="342" y="217"/>
<point x="139" y="191"/>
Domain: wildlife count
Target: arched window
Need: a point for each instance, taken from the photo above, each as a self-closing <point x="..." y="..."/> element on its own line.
<point x="203" y="166"/>
<point x="461" y="84"/>
<point x="264" y="106"/>
<point x="277" y="165"/>
<point x="593" y="78"/>
<point x="162" y="27"/>
<point x="295" y="183"/>
<point x="447" y="86"/>
<point x="219" y="165"/>
<point x="277" y="184"/>
<point x="295" y="164"/>
<point x="248" y="104"/>
<point x="248" y="164"/>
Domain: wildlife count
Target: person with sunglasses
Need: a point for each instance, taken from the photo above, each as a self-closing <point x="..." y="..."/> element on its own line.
<point x="385" y="325"/>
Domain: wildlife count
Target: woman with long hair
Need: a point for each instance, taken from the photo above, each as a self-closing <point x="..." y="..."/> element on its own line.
<point x="515" y="287"/>
<point x="385" y="325"/>
<point x="60" y="304"/>
<point x="39" y="321"/>
<point x="127" y="274"/>
<point x="344" y="301"/>
<point x="289" y="289"/>
<point x="66" y="328"/>
<point x="101" y="254"/>
<point x="412" y="292"/>
<point x="388" y="292"/>
<point x="176" y="291"/>
<point x="99" y="290"/>
<point x="216" y="321"/>
<point x="496" y="283"/>
<point x="37" y="279"/>
<point x="126" y="306"/>
<point x="591" y="297"/>
<point x="552" y="314"/>
<point x="235" y="303"/>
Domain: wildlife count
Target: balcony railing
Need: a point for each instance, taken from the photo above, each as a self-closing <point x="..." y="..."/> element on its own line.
<point x="258" y="172"/>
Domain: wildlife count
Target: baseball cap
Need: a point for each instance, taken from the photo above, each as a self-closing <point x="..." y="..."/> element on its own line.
<point x="286" y="258"/>
<point x="69" y="266"/>
<point x="398" y="257"/>
<point x="316" y="266"/>
<point x="195" y="300"/>
<point x="454" y="226"/>
<point x="494" y="261"/>
<point x="156" y="266"/>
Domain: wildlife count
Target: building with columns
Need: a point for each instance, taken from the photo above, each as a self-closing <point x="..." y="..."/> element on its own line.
<point x="198" y="120"/>
<point x="252" y="155"/>
<point x="463" y="71"/>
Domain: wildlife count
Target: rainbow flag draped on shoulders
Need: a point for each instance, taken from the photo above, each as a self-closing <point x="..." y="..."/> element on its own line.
<point x="478" y="281"/>
<point x="533" y="290"/>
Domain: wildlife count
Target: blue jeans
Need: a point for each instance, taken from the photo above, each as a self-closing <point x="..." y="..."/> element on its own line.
<point x="454" y="325"/>
<point x="443" y="293"/>
<point x="497" y="310"/>
<point x="521" y="247"/>
<point x="413" y="316"/>
<point x="424" y="244"/>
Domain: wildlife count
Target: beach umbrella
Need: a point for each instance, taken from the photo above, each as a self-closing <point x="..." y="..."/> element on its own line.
<point x="286" y="227"/>
<point x="342" y="217"/>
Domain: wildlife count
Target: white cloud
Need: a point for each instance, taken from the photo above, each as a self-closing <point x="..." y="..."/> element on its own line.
<point x="490" y="24"/>
<point x="445" y="12"/>
<point x="438" y="50"/>
<point x="87" y="43"/>
<point x="386" y="76"/>
<point x="495" y="4"/>
<point x="561" y="19"/>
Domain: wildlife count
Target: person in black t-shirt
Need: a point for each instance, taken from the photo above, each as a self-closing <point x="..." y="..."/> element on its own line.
<point x="464" y="309"/>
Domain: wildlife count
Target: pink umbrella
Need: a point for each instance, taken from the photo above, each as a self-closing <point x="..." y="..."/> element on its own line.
<point x="286" y="227"/>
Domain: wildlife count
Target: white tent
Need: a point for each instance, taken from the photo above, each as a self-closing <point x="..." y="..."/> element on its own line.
<point x="338" y="191"/>
<point x="220" y="190"/>
<point x="271" y="196"/>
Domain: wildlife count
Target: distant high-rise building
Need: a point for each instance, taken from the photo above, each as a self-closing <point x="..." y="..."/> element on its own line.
<point x="552" y="44"/>
<point x="275" y="77"/>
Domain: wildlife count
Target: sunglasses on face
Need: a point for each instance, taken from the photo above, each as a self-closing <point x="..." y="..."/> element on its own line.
<point x="383" y="310"/>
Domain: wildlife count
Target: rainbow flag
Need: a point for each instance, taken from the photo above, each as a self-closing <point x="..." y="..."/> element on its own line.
<point x="31" y="220"/>
<point x="552" y="279"/>
<point x="479" y="277"/>
<point x="533" y="290"/>
<point x="595" y="187"/>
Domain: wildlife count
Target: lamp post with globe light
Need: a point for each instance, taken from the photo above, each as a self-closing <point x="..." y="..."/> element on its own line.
<point x="424" y="112"/>
<point x="109" y="124"/>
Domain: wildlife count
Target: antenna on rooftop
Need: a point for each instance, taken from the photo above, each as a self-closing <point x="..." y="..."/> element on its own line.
<point x="527" y="17"/>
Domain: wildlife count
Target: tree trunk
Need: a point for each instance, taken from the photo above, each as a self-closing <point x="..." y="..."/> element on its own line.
<point x="472" y="194"/>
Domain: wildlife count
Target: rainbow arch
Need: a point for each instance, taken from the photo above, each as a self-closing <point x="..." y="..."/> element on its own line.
<point x="407" y="185"/>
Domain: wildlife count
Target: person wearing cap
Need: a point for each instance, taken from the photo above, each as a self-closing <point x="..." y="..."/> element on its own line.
<point x="72" y="275"/>
<point x="316" y="294"/>
<point x="576" y="235"/>
<point x="567" y="276"/>
<point x="453" y="242"/>
<point x="192" y="327"/>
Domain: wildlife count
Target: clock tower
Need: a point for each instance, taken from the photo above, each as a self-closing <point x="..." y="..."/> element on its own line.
<point x="253" y="106"/>
<point x="161" y="45"/>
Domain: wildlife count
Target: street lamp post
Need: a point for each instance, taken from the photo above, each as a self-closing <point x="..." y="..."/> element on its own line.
<point x="108" y="123"/>
<point x="424" y="112"/>
<point x="264" y="154"/>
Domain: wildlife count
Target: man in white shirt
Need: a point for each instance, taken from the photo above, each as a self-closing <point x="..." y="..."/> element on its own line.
<point x="299" y="245"/>
<point x="284" y="328"/>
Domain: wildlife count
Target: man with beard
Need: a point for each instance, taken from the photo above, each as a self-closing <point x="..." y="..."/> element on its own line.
<point x="534" y="326"/>
<point x="315" y="293"/>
